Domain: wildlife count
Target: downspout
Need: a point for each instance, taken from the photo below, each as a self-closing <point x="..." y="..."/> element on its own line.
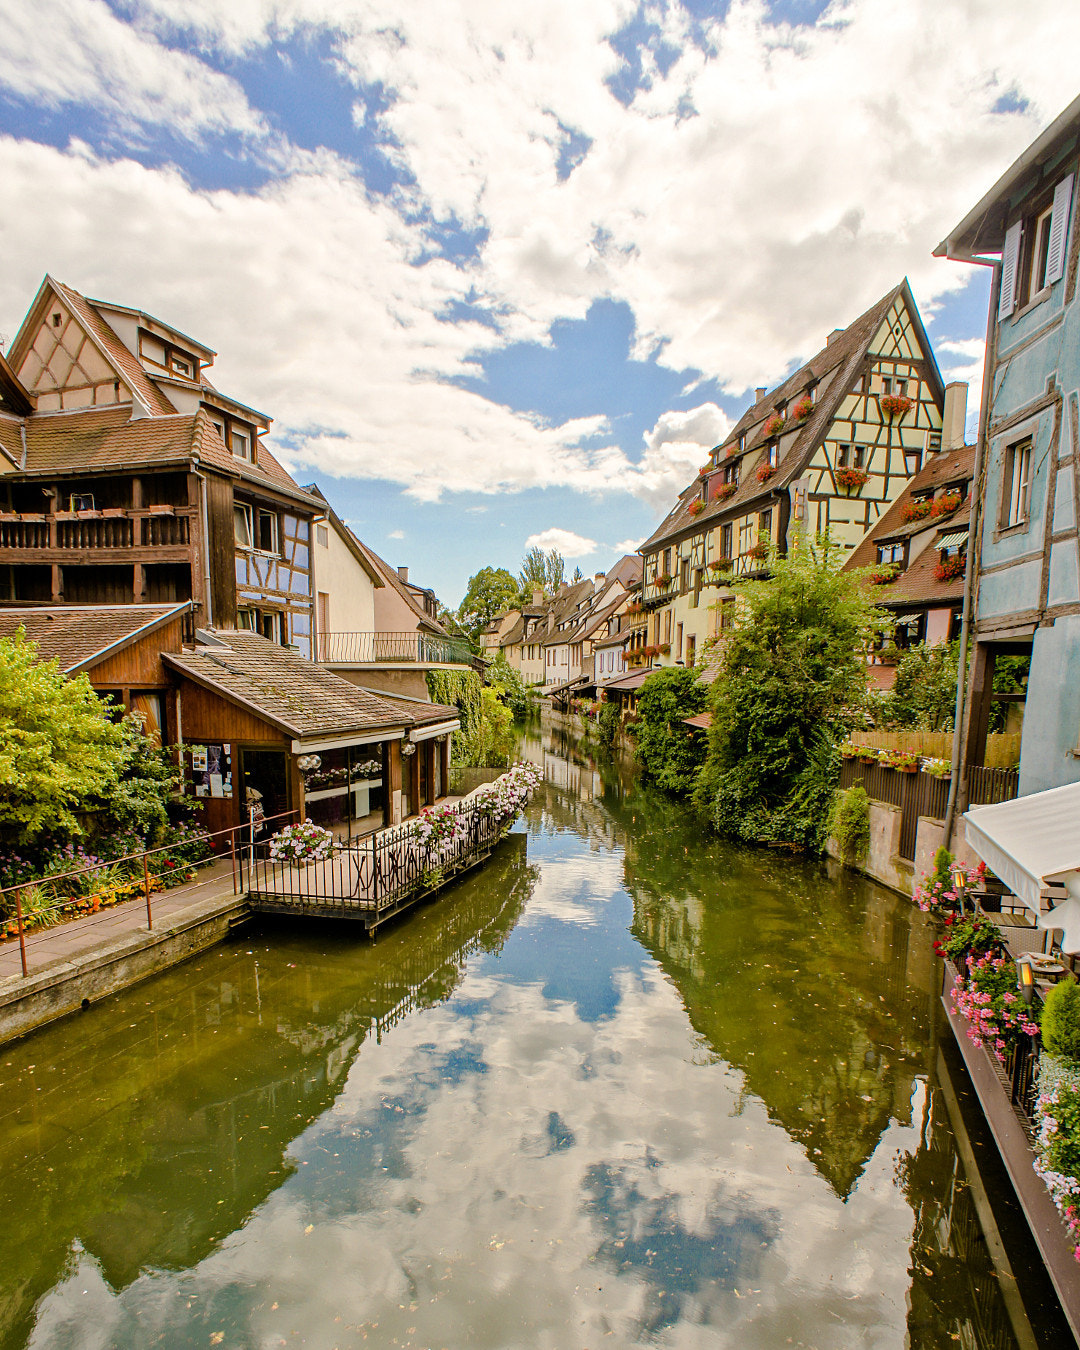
<point x="206" y="550"/>
<point x="974" y="552"/>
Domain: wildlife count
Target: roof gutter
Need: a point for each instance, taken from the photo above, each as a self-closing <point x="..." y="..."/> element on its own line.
<point x="958" y="780"/>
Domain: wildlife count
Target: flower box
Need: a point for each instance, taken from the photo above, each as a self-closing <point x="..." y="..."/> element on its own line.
<point x="913" y="511"/>
<point x="664" y="580"/>
<point x="696" y="507"/>
<point x="35" y="517"/>
<point x="88" y="515"/>
<point x="773" y="426"/>
<point x="851" y="479"/>
<point x="163" y="510"/>
<point x="884" y="576"/>
<point x="724" y="491"/>
<point x="758" y="551"/>
<point x="946" y="504"/>
<point x="61" y="515"/>
<point x="720" y="565"/>
<point x="765" y="471"/>
<point x="664" y="649"/>
<point x="952" y="567"/>
<point x="896" y="405"/>
<point x="112" y="512"/>
<point x="705" y="470"/>
<point x="803" y="408"/>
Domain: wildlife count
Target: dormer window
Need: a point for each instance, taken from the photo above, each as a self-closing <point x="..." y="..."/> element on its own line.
<point x="742" y="441"/>
<point x="240" y="444"/>
<point x="181" y="366"/>
<point x="891" y="553"/>
<point x="772" y="455"/>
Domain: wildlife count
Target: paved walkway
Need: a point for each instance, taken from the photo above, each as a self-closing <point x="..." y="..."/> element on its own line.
<point x="49" y="946"/>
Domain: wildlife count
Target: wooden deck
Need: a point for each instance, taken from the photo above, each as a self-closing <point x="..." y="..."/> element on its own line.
<point x="370" y="880"/>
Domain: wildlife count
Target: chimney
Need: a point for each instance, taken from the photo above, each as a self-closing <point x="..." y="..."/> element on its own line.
<point x="836" y="332"/>
<point x="564" y="586"/>
<point x="403" y="573"/>
<point x="954" y="417"/>
<point x="538" y="596"/>
<point x="600" y="578"/>
<point x="759" y="394"/>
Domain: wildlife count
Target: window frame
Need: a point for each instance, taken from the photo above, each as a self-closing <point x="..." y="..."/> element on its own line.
<point x="263" y="513"/>
<point x="1015" y="507"/>
<point x="243" y="510"/>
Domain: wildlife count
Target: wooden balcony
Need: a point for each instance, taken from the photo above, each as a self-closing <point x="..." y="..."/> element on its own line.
<point x="96" y="536"/>
<point x="391" y="649"/>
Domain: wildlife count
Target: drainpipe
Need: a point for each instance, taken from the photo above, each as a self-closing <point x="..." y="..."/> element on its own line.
<point x="974" y="551"/>
<point x="206" y="550"/>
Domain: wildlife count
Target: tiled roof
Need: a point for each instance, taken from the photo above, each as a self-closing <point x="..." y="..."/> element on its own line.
<point x="840" y="361"/>
<point x="105" y="438"/>
<point x="515" y="634"/>
<point x="919" y="586"/>
<point x="11" y="445"/>
<point x="303" y="699"/>
<point x="77" y="636"/>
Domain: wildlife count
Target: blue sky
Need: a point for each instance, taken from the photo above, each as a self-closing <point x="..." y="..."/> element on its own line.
<point x="502" y="273"/>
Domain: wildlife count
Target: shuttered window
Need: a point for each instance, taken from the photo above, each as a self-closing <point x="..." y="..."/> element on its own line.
<point x="1059" y="231"/>
<point x="1010" y="266"/>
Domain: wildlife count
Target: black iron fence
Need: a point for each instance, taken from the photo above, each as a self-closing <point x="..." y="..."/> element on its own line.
<point x="922" y="794"/>
<point x="372" y="876"/>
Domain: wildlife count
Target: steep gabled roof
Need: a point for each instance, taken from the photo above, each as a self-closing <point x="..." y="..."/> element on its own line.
<point x="832" y="370"/>
<point x="100" y="439"/>
<point x="13" y="397"/>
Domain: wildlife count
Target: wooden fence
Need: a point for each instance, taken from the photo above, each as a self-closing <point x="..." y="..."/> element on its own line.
<point x="921" y="794"/>
<point x="372" y="878"/>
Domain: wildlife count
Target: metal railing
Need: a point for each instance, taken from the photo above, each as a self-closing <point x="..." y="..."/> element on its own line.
<point x="140" y="873"/>
<point x="371" y="648"/>
<point x="372" y="876"/>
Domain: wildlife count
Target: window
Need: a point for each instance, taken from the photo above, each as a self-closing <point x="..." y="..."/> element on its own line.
<point x="725" y="541"/>
<point x="666" y="569"/>
<point x="746" y="536"/>
<point x="678" y="642"/>
<point x="691" y="644"/>
<point x="742" y="443"/>
<point x="219" y="427"/>
<point x="270" y="625"/>
<point x="731" y="474"/>
<point x="901" y="388"/>
<point x="245" y="619"/>
<point x="933" y="442"/>
<point x="242" y="525"/>
<point x="240" y="443"/>
<point x="57" y="320"/>
<point x="726" y="617"/>
<point x="912" y="462"/>
<point x="324" y="612"/>
<point x="887" y="383"/>
<point x="268" y="531"/>
<point x="322" y="534"/>
<point x="1015" y="484"/>
<point x="684" y="575"/>
<point x="181" y="366"/>
<point x="772" y="455"/>
<point x="1033" y="254"/>
<point x="843" y="456"/>
<point x="891" y="553"/>
<point x="81" y="501"/>
<point x="811" y="393"/>
<point x="765" y="520"/>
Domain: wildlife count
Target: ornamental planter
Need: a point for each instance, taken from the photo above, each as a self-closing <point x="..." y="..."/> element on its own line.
<point x="765" y="472"/>
<point x="695" y="508"/>
<point x="885" y="576"/>
<point x="950" y="569"/>
<point x="896" y="405"/>
<point x="915" y="511"/>
<point x="851" y="480"/>
<point x="663" y="582"/>
<point x="774" y="426"/>
<point x="724" y="491"/>
<point x="946" y="504"/>
<point x="803" y="409"/>
<point x="759" y="551"/>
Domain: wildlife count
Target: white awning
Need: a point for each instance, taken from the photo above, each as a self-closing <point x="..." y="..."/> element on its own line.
<point x="958" y="539"/>
<point x="1029" y="840"/>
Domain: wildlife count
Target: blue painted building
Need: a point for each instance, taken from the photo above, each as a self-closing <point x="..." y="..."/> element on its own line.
<point x="1026" y="554"/>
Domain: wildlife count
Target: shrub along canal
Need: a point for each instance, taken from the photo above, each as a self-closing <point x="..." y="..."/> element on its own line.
<point x="620" y="1087"/>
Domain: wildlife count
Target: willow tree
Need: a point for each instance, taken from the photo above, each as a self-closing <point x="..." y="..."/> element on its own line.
<point x="792" y="681"/>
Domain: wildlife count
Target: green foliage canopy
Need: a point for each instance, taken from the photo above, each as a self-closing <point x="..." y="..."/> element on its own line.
<point x="792" y="680"/>
<point x="670" y="753"/>
<point x="491" y="591"/>
<point x="541" y="571"/>
<point x="1061" y="1021"/>
<point x="59" y="749"/>
<point x="510" y="687"/>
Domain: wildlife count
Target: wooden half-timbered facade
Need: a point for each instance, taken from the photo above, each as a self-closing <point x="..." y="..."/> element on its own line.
<point x="830" y="449"/>
<point x="126" y="477"/>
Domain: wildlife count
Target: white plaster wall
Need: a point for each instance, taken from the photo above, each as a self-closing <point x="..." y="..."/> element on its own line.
<point x="351" y="590"/>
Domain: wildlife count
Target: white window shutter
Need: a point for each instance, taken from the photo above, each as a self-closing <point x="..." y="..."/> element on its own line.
<point x="1059" y="231"/>
<point x="1010" y="266"/>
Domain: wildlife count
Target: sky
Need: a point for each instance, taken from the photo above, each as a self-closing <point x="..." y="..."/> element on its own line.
<point x="502" y="273"/>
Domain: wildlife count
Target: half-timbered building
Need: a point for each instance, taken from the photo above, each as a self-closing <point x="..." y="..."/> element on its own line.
<point x="126" y="477"/>
<point x="828" y="450"/>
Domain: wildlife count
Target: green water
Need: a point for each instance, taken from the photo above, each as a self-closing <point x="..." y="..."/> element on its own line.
<point x="621" y="1088"/>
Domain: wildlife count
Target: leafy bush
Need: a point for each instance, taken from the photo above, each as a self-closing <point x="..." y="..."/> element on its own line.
<point x="850" y="824"/>
<point x="670" y="753"/>
<point x="1061" y="1021"/>
<point x="510" y="687"/>
<point x="1057" y="1141"/>
<point x="609" y="720"/>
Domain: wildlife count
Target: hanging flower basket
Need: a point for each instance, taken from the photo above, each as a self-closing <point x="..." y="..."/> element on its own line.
<point x="773" y="426"/>
<point x="948" y="569"/>
<point x="664" y="649"/>
<point x="896" y="405"/>
<point x="724" y="491"/>
<point x="696" y="507"/>
<point x="852" y="479"/>
<point x="765" y="472"/>
<point x="803" y="408"/>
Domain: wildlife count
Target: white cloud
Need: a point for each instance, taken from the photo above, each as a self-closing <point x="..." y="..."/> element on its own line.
<point x="396" y="534"/>
<point x="628" y="545"/>
<point x="967" y="365"/>
<point x="739" y="205"/>
<point x="569" y="544"/>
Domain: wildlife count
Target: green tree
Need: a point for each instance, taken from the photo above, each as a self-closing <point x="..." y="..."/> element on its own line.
<point x="491" y="591"/>
<point x="792" y="679"/>
<point x="924" y="692"/>
<point x="670" y="753"/>
<point x="489" y="742"/>
<point x="510" y="687"/>
<point x="147" y="779"/>
<point x="541" y="571"/>
<point x="59" y="748"/>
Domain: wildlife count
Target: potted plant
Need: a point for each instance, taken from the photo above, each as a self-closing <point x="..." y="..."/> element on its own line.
<point x="852" y="479"/>
<point x="724" y="491"/>
<point x="907" y="761"/>
<point x="774" y="425"/>
<point x="884" y="576"/>
<point x="912" y="511"/>
<point x="951" y="567"/>
<point x="803" y="408"/>
<point x="896" y="405"/>
<point x="759" y="550"/>
<point x="765" y="471"/>
<point x="945" y="505"/>
<point x="937" y="768"/>
<point x="696" y="507"/>
<point x="867" y="754"/>
<point x="663" y="580"/>
<point x="849" y="750"/>
<point x="720" y="565"/>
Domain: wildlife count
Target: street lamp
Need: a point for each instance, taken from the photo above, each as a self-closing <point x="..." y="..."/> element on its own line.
<point x="1025" y="979"/>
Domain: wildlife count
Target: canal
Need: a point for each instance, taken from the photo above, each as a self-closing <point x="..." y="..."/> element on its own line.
<point x="620" y="1087"/>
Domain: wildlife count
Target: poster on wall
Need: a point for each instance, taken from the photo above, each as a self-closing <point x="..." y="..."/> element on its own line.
<point x="211" y="770"/>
